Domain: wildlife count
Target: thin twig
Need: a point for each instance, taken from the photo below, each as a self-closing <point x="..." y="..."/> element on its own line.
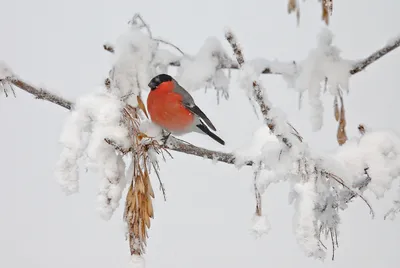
<point x="169" y="44"/>
<point x="361" y="65"/>
<point x="41" y="93"/>
<point x="341" y="182"/>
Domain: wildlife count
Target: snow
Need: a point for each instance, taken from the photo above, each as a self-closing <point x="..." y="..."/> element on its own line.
<point x="322" y="62"/>
<point x="202" y="70"/>
<point x="305" y="221"/>
<point x="317" y="198"/>
<point x="133" y="65"/>
<point x="99" y="116"/>
<point x="380" y="152"/>
<point x="260" y="226"/>
<point x="137" y="261"/>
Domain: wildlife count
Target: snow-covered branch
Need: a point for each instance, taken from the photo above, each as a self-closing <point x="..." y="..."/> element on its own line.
<point x="173" y="143"/>
<point x="291" y="68"/>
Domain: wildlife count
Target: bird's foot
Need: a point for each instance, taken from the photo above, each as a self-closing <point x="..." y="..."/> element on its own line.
<point x="165" y="136"/>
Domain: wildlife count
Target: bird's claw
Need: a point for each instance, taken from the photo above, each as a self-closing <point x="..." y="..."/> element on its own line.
<point x="165" y="137"/>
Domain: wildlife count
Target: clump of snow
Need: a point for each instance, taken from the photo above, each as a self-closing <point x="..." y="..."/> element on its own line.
<point x="137" y="261"/>
<point x="204" y="68"/>
<point x="305" y="220"/>
<point x="260" y="225"/>
<point x="322" y="62"/>
<point x="379" y="152"/>
<point x="285" y="68"/>
<point x="162" y="59"/>
<point x="133" y="64"/>
<point x="99" y="116"/>
<point x="150" y="129"/>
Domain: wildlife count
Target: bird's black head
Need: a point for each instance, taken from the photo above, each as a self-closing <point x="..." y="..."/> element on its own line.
<point x="157" y="80"/>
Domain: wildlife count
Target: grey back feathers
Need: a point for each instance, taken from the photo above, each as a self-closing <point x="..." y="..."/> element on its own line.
<point x="189" y="103"/>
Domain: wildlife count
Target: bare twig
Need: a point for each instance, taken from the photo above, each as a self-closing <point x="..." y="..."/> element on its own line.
<point x="134" y="21"/>
<point x="187" y="148"/>
<point x="41" y="93"/>
<point x="361" y="65"/>
<point x="117" y="147"/>
<point x="169" y="44"/>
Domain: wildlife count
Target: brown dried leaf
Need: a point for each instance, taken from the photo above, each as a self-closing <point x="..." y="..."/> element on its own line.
<point x="336" y="109"/>
<point x="147" y="221"/>
<point x="139" y="185"/>
<point x="150" y="191"/>
<point x="291" y="6"/>
<point x="150" y="211"/>
<point x="141" y="106"/>
<point x="341" y="133"/>
<point x="327" y="7"/>
<point x="361" y="128"/>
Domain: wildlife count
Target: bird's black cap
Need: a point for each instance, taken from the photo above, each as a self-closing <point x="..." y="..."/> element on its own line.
<point x="157" y="80"/>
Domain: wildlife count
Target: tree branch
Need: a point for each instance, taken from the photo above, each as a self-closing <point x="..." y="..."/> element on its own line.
<point x="290" y="68"/>
<point x="361" y="65"/>
<point x="41" y="93"/>
<point x="173" y="143"/>
<point x="187" y="148"/>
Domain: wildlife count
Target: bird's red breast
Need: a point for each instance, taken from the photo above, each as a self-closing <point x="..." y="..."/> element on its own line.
<point x="166" y="109"/>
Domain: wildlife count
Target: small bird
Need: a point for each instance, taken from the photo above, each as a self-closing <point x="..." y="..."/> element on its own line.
<point x="173" y="108"/>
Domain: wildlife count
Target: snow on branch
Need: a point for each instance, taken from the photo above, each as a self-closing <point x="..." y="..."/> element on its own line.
<point x="320" y="184"/>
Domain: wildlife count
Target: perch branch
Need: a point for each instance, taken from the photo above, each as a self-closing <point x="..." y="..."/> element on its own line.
<point x="173" y="143"/>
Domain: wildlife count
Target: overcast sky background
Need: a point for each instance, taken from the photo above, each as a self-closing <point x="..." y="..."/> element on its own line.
<point x="206" y="219"/>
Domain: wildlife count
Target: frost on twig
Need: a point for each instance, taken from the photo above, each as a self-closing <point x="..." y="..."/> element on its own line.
<point x="320" y="184"/>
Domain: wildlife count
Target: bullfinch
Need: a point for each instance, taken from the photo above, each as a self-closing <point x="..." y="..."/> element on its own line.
<point x="171" y="107"/>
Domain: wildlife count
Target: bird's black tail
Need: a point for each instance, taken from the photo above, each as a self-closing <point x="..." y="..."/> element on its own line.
<point x="205" y="129"/>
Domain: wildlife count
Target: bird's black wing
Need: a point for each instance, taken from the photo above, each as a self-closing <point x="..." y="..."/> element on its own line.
<point x="196" y="110"/>
<point x="189" y="103"/>
<point x="205" y="129"/>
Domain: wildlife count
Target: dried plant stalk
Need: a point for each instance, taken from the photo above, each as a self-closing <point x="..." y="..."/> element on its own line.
<point x="138" y="205"/>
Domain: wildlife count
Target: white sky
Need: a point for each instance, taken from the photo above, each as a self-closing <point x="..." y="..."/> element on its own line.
<point x="206" y="219"/>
